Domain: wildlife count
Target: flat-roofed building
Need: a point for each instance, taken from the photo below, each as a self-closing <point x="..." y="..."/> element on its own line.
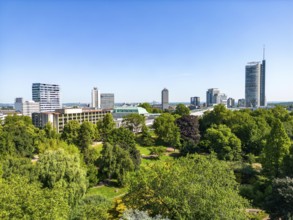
<point x="107" y="100"/>
<point x="26" y="107"/>
<point x="48" y="95"/>
<point x="61" y="117"/>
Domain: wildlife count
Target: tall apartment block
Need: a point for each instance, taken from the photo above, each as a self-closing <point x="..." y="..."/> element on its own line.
<point x="96" y="98"/>
<point x="26" y="107"/>
<point x="48" y="95"/>
<point x="107" y="100"/>
<point x="165" y="99"/>
<point x="231" y="103"/>
<point x="255" y="84"/>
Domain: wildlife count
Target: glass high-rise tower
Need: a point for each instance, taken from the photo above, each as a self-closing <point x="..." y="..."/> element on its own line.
<point x="255" y="84"/>
<point x="48" y="95"/>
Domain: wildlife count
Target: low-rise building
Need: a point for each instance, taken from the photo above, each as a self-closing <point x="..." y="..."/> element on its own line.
<point x="61" y="117"/>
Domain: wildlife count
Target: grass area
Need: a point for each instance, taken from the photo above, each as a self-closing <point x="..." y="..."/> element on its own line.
<point x="108" y="192"/>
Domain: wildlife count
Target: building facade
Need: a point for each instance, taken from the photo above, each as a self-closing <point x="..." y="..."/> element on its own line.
<point x="231" y="103"/>
<point x="61" y="117"/>
<point x="96" y="98"/>
<point x="107" y="100"/>
<point x="214" y="97"/>
<point x="252" y="84"/>
<point x="241" y="103"/>
<point x="48" y="95"/>
<point x="26" y="107"/>
<point x="195" y="101"/>
<point x="262" y="100"/>
<point x="165" y="99"/>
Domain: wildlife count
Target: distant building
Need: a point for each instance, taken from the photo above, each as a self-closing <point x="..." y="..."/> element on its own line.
<point x="120" y="112"/>
<point x="255" y="77"/>
<point x="96" y="98"/>
<point x="241" y="103"/>
<point x="195" y="101"/>
<point x="61" y="117"/>
<point x="231" y="103"/>
<point x="165" y="99"/>
<point x="26" y="107"/>
<point x="107" y="100"/>
<point x="215" y="97"/>
<point x="48" y="95"/>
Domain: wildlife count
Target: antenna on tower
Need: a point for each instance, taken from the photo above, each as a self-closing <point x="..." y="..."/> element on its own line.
<point x="264" y="50"/>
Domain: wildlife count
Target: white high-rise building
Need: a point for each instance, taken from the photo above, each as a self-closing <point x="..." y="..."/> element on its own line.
<point x="26" y="107"/>
<point x="48" y="95"/>
<point x="96" y="98"/>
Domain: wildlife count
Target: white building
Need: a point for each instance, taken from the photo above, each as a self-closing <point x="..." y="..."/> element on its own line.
<point x="26" y="107"/>
<point x="96" y="98"/>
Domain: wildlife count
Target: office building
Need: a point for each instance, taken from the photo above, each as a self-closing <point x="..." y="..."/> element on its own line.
<point x="48" y="95"/>
<point x="107" y="100"/>
<point x="263" y="101"/>
<point x="231" y="103"/>
<point x="241" y="103"/>
<point x="255" y="83"/>
<point x="96" y="98"/>
<point x="165" y="99"/>
<point x="26" y="108"/>
<point x="252" y="84"/>
<point x="195" y="101"/>
<point x="60" y="117"/>
<point x="214" y="97"/>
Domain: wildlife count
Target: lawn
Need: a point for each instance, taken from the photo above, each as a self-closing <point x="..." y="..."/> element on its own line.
<point x="108" y="192"/>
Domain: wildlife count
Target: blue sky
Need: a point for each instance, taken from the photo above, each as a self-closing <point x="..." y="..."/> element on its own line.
<point x="136" y="48"/>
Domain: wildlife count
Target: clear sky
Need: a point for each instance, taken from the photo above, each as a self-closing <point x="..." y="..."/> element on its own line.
<point x="135" y="48"/>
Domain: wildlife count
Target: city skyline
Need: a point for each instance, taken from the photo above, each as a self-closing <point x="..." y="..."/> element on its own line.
<point x="134" y="49"/>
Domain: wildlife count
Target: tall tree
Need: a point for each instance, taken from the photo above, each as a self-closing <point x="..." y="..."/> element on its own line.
<point x="70" y="132"/>
<point x="60" y="167"/>
<point x="18" y="136"/>
<point x="126" y="140"/>
<point x="167" y="130"/>
<point x="221" y="140"/>
<point x="279" y="203"/>
<point x="105" y="126"/>
<point x="134" y="122"/>
<point x="277" y="148"/>
<point x="195" y="187"/>
<point x="115" y="162"/>
<point x="86" y="135"/>
<point x="182" y="110"/>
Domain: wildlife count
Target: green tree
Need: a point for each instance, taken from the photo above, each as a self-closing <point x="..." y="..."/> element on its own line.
<point x="182" y="110"/>
<point x="134" y="122"/>
<point x="86" y="135"/>
<point x="18" y="136"/>
<point x="105" y="126"/>
<point x="50" y="131"/>
<point x="22" y="199"/>
<point x="195" y="187"/>
<point x="70" y="132"/>
<point x="94" y="207"/>
<point x="278" y="146"/>
<point x="126" y="140"/>
<point x="115" y="162"/>
<point x="219" y="115"/>
<point x="146" y="138"/>
<point x="60" y="167"/>
<point x="279" y="203"/>
<point x="167" y="130"/>
<point x="221" y="140"/>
